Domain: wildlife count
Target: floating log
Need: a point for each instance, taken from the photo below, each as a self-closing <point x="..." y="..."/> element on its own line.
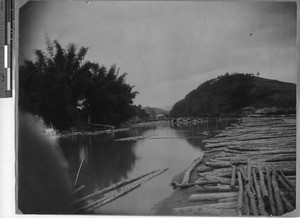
<point x="135" y="138"/>
<point x="78" y="190"/>
<point x="188" y="172"/>
<point x="112" y="187"/>
<point x="123" y="191"/>
<point x="108" y="199"/>
<point x="240" y="197"/>
<point x="277" y="197"/>
<point x="232" y="182"/>
<point x="271" y="198"/>
<point x="78" y="171"/>
<point x="212" y="196"/>
<point x="261" y="204"/>
<point x="264" y="190"/>
<point x="217" y="188"/>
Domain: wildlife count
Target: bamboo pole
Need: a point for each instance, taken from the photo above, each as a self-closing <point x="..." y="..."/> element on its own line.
<point x="232" y="182"/>
<point x="78" y="189"/>
<point x="261" y="204"/>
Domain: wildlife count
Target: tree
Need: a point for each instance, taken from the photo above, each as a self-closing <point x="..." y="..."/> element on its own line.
<point x="65" y="90"/>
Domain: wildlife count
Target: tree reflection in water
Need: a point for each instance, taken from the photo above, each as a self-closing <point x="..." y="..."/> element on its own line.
<point x="105" y="161"/>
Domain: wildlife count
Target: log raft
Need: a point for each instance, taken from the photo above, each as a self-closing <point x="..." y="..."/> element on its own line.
<point x="248" y="169"/>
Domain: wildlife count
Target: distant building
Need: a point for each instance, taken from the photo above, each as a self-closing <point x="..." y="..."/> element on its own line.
<point x="161" y="116"/>
<point x="248" y="110"/>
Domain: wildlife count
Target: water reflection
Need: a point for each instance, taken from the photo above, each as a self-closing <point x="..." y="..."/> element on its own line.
<point x="106" y="161"/>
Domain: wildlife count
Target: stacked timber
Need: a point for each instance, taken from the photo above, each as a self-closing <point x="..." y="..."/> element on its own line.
<point x="248" y="169"/>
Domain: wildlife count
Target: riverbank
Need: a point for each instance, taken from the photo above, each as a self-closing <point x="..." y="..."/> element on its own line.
<point x="268" y="141"/>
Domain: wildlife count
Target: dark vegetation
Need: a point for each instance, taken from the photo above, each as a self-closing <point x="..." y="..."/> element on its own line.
<point x="228" y="94"/>
<point x="67" y="91"/>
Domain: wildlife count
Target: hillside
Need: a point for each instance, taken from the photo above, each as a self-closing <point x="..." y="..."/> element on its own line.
<point x="228" y="94"/>
<point x="153" y="111"/>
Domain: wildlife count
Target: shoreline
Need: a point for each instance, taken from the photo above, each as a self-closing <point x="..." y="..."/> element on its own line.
<point x="180" y="198"/>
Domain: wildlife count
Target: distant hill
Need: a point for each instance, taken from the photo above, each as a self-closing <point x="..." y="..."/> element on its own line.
<point x="228" y="94"/>
<point x="153" y="111"/>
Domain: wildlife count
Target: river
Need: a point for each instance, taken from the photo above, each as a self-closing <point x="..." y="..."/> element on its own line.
<point x="107" y="161"/>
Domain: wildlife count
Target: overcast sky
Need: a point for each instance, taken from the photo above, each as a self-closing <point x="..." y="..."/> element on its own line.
<point x="169" y="48"/>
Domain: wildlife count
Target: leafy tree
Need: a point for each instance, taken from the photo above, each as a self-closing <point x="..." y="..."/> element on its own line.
<point x="68" y="91"/>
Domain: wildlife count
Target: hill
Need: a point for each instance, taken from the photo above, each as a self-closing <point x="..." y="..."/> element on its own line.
<point x="228" y="94"/>
<point x="153" y="111"/>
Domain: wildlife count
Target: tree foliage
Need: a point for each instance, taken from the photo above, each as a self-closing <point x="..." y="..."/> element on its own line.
<point x="66" y="90"/>
<point x="229" y="93"/>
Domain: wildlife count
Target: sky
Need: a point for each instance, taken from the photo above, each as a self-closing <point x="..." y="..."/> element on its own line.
<point x="169" y="48"/>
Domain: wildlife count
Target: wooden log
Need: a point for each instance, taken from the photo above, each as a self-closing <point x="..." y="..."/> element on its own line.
<point x="277" y="197"/>
<point x="105" y="200"/>
<point x="282" y="158"/>
<point x="246" y="210"/>
<point x="217" y="188"/>
<point x="78" y="190"/>
<point x="211" y="196"/>
<point x="240" y="197"/>
<point x="232" y="182"/>
<point x="223" y="200"/>
<point x="252" y="202"/>
<point x="216" y="179"/>
<point x="286" y="186"/>
<point x="242" y="148"/>
<point x="271" y="198"/>
<point x="134" y="138"/>
<point x="112" y="187"/>
<point x="123" y="191"/>
<point x="218" y="164"/>
<point x="207" y="211"/>
<point x="263" y="188"/>
<point x="203" y="169"/>
<point x="188" y="172"/>
<point x="261" y="204"/>
<point x="285" y="178"/>
<point x="78" y="171"/>
<point x="287" y="204"/>
<point x="198" y="210"/>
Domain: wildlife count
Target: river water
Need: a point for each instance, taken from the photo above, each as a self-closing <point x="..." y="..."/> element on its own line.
<point x="107" y="161"/>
